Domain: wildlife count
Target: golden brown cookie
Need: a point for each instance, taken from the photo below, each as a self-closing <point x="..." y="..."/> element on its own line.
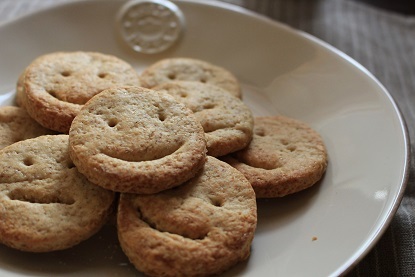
<point x="201" y="228"/>
<point x="56" y="85"/>
<point x="45" y="203"/>
<point x="187" y="69"/>
<point x="284" y="157"/>
<point x="137" y="140"/>
<point x="226" y="120"/>
<point x="17" y="125"/>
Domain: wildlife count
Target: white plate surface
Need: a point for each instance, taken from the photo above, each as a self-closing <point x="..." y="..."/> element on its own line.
<point x="319" y="232"/>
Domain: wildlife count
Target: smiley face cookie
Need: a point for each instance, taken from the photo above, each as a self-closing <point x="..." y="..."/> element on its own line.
<point x="285" y="156"/>
<point x="226" y="120"/>
<point x="200" y="228"/>
<point x="17" y="125"/>
<point x="56" y="85"/>
<point x="137" y="140"/>
<point x="186" y="69"/>
<point x="45" y="203"/>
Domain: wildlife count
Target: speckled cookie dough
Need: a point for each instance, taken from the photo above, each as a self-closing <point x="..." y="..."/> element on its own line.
<point x="285" y="156"/>
<point x="57" y="85"/>
<point x="137" y="140"/>
<point x="201" y="228"/>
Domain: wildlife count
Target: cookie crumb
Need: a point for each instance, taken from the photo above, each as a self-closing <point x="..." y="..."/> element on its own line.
<point x="313" y="238"/>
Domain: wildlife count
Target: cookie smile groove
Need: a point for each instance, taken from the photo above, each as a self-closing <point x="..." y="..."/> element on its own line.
<point x="20" y="195"/>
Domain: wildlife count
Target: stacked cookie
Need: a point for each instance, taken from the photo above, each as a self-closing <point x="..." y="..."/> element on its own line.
<point x="45" y="203"/>
<point x="176" y="143"/>
<point x="281" y="156"/>
<point x="54" y="87"/>
<point x="180" y="212"/>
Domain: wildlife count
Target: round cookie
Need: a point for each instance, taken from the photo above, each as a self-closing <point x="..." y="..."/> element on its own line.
<point x="45" y="203"/>
<point x="137" y="140"/>
<point x="56" y="85"/>
<point x="17" y="125"/>
<point x="201" y="228"/>
<point x="285" y="156"/>
<point x="226" y="120"/>
<point x="187" y="69"/>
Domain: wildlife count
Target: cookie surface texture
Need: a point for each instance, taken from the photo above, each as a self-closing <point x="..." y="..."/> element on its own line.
<point x="227" y="121"/>
<point x="285" y="156"/>
<point x="56" y="85"/>
<point x="45" y="203"/>
<point x="17" y="125"/>
<point x="187" y="69"/>
<point x="201" y="228"/>
<point x="137" y="140"/>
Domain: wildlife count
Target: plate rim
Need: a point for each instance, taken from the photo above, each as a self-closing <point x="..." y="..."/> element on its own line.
<point x="375" y="236"/>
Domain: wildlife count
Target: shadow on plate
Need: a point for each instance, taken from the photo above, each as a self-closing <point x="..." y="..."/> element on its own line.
<point x="100" y="253"/>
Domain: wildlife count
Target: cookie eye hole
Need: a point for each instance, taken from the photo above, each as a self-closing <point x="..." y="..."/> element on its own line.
<point x="65" y="73"/>
<point x="260" y="132"/>
<point x="217" y="202"/>
<point x="162" y="116"/>
<point x="183" y="94"/>
<point x="102" y="75"/>
<point x="112" y="122"/>
<point x="208" y="106"/>
<point x="171" y="76"/>
<point x="160" y="112"/>
<point x="291" y="148"/>
<point x="28" y="161"/>
<point x="203" y="80"/>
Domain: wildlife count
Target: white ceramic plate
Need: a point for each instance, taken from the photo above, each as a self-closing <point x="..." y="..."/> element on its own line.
<point x="320" y="232"/>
